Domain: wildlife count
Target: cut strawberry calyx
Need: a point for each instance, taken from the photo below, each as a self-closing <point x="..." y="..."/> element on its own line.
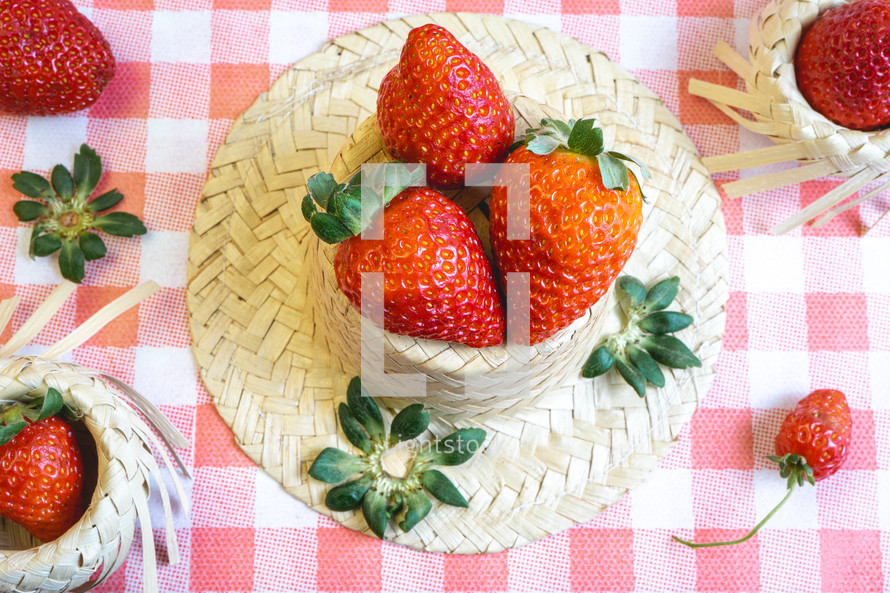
<point x="584" y="137"/>
<point x="14" y="417"/>
<point x="363" y="479"/>
<point x="65" y="217"/>
<point x="643" y="344"/>
<point x="338" y="211"/>
<point x="791" y="466"/>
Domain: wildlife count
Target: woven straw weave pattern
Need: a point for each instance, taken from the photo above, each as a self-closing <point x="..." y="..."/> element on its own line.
<point x="269" y="369"/>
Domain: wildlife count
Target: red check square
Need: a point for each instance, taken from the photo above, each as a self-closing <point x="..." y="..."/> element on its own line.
<point x="727" y="568"/>
<point x="162" y="317"/>
<point x="486" y="572"/>
<point x="234" y="88"/>
<point x="722" y="439"/>
<point x="221" y="559"/>
<point x="851" y="560"/>
<point x="348" y="561"/>
<point x="602" y="559"/>
<point x="127" y="93"/>
<point x="837" y="321"/>
<point x="214" y="442"/>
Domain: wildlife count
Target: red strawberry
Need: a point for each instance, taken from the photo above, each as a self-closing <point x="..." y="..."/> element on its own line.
<point x="843" y="64"/>
<point x="41" y="478"/>
<point x="585" y="213"/>
<point x="440" y="105"/>
<point x="811" y="445"/>
<point x="52" y="58"/>
<point x="437" y="280"/>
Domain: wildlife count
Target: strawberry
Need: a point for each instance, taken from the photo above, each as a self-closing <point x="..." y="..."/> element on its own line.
<point x="585" y="213"/>
<point x="843" y="64"/>
<point x="440" y="105"/>
<point x="41" y="470"/>
<point x="437" y="281"/>
<point x="52" y="58"/>
<point x="812" y="444"/>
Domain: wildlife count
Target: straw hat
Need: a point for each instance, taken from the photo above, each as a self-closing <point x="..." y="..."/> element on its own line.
<point x="273" y="355"/>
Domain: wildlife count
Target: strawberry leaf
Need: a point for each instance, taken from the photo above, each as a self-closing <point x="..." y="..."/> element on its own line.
<point x="8" y="432"/>
<point x="32" y="185"/>
<point x="353" y="429"/>
<point x="374" y="510"/>
<point x="120" y="224"/>
<point x="670" y="351"/>
<point x="646" y="364"/>
<point x="308" y="208"/>
<point x="105" y="201"/>
<point x="442" y="488"/>
<point x="418" y="508"/>
<point x="347" y="207"/>
<point x="87" y="171"/>
<point x="613" y="171"/>
<point x="662" y="294"/>
<point x="599" y="362"/>
<point x="665" y="322"/>
<point x="637" y="162"/>
<point x="52" y="404"/>
<point x="458" y="447"/>
<point x="346" y="497"/>
<point x="322" y="188"/>
<point x="63" y="184"/>
<point x="365" y="410"/>
<point x="333" y="466"/>
<point x="631" y="374"/>
<point x="46" y="244"/>
<point x="586" y="138"/>
<point x="93" y="246"/>
<point x="26" y="210"/>
<point x="329" y="228"/>
<point x="634" y="289"/>
<point x="409" y="423"/>
<point x="542" y="145"/>
<point x="71" y="262"/>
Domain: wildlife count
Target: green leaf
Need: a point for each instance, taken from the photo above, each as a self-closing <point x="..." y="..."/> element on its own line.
<point x="364" y="409"/>
<point x="598" y="363"/>
<point x="308" y="208"/>
<point x="71" y="262"/>
<point x="633" y="288"/>
<point x="669" y="351"/>
<point x="32" y="185"/>
<point x="442" y="488"/>
<point x="458" y="447"/>
<point x="374" y="510"/>
<point x="63" y="183"/>
<point x="120" y="224"/>
<point x="613" y="171"/>
<point x="322" y="188"/>
<point x="329" y="228"/>
<point x="586" y="138"/>
<point x="26" y="210"/>
<point x="637" y="162"/>
<point x="353" y="430"/>
<point x="662" y="294"/>
<point x="665" y="322"/>
<point x="409" y="423"/>
<point x="346" y="497"/>
<point x="105" y="201"/>
<point x="36" y="232"/>
<point x="333" y="466"/>
<point x="93" y="246"/>
<point x="418" y="508"/>
<point x="542" y="145"/>
<point x="631" y="374"/>
<point x="646" y="364"/>
<point x="46" y="244"/>
<point x="395" y="504"/>
<point x="560" y="128"/>
<point x="87" y="171"/>
<point x="8" y="432"/>
<point x="347" y="208"/>
<point x="52" y="404"/>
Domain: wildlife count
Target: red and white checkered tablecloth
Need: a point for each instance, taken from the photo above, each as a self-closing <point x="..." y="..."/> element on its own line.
<point x="807" y="310"/>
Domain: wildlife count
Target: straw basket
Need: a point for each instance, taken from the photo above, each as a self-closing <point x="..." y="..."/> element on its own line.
<point x="782" y="114"/>
<point x="497" y="379"/>
<point x="118" y="447"/>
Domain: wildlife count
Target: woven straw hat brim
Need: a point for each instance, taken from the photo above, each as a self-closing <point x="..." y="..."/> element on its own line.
<point x="266" y="360"/>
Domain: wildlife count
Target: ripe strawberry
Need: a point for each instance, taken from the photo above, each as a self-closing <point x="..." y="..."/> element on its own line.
<point x="437" y="281"/>
<point x="440" y="105"/>
<point x="585" y="214"/>
<point x="811" y="445"/>
<point x="843" y="64"/>
<point x="52" y="58"/>
<point x="41" y="472"/>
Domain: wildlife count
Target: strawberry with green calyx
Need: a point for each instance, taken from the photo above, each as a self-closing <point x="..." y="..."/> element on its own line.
<point x="364" y="479"/>
<point x="437" y="281"/>
<point x="644" y="342"/>
<point x="64" y="215"/>
<point x="585" y="213"/>
<point x="812" y="444"/>
<point x="41" y="466"/>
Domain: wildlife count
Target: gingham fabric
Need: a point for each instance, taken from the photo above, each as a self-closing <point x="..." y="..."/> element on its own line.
<point x="807" y="310"/>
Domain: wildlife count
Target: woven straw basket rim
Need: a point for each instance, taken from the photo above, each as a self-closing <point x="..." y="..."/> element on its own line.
<point x="97" y="545"/>
<point x="267" y="362"/>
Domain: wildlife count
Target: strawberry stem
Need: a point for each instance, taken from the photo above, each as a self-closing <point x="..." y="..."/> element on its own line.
<point x="746" y="537"/>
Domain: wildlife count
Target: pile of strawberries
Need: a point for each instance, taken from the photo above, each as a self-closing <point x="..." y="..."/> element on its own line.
<point x="441" y="106"/>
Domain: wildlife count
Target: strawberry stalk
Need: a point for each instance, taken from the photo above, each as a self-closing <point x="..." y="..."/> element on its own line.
<point x="791" y="466"/>
<point x="338" y="211"/>
<point x="65" y="216"/>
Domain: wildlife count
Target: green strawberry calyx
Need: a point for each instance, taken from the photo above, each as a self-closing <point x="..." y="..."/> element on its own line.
<point x="644" y="343"/>
<point x="15" y="416"/>
<point x="65" y="217"/>
<point x="338" y="211"/>
<point x="584" y="137"/>
<point x="791" y="466"/>
<point x="363" y="478"/>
